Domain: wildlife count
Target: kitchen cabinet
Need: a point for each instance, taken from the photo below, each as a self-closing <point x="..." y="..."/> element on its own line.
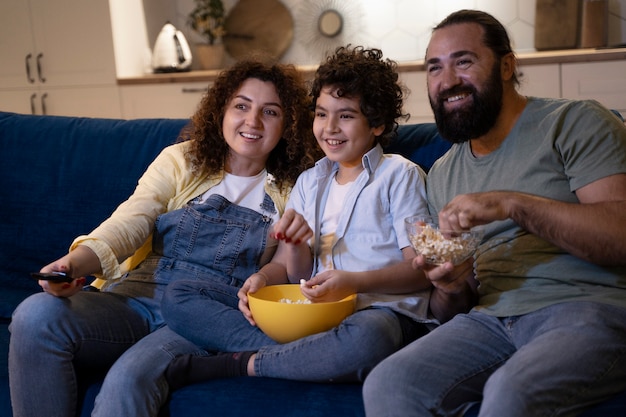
<point x="416" y="103"/>
<point x="171" y="100"/>
<point x="540" y="80"/>
<point x="89" y="101"/>
<point x="602" y="81"/>
<point x="48" y="46"/>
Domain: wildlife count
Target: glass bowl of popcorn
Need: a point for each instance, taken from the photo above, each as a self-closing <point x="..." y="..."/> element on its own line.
<point x="440" y="246"/>
<point x="285" y="314"/>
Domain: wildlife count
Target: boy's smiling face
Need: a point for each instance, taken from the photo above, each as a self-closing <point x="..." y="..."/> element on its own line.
<point x="341" y="130"/>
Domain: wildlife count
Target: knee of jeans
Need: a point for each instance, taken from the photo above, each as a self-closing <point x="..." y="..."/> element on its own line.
<point x="376" y="327"/>
<point x="379" y="387"/>
<point x="39" y="313"/>
<point x="376" y="380"/>
<point x="504" y="388"/>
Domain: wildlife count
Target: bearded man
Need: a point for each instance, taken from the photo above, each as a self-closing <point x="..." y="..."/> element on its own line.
<point x="546" y="179"/>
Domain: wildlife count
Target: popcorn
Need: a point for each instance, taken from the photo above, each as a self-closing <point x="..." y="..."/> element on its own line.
<point x="290" y="301"/>
<point x="299" y="301"/>
<point x="437" y="248"/>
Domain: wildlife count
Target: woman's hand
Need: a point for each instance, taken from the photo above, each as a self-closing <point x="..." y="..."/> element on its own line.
<point x="254" y="283"/>
<point x="62" y="289"/>
<point x="292" y="228"/>
<point x="78" y="263"/>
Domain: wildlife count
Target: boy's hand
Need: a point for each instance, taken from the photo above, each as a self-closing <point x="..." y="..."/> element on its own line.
<point x="332" y="285"/>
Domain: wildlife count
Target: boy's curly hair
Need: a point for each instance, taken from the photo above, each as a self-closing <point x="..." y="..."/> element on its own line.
<point x="296" y="151"/>
<point x="362" y="73"/>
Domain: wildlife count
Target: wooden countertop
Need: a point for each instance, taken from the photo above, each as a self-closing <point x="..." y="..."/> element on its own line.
<point x="524" y="58"/>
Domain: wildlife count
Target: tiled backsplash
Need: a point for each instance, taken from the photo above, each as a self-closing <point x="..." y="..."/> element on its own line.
<point x="401" y="28"/>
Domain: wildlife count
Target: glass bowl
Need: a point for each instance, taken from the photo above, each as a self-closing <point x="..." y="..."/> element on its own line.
<point x="440" y="246"/>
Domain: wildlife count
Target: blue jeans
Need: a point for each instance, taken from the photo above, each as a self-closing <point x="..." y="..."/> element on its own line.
<point x="89" y="332"/>
<point x="557" y="361"/>
<point x="345" y="353"/>
<point x="53" y="340"/>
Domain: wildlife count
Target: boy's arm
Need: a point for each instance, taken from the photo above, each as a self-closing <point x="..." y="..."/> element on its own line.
<point x="399" y="278"/>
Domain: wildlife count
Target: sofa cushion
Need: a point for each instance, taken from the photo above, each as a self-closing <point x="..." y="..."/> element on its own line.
<point x="258" y="397"/>
<point x="420" y="143"/>
<point x="49" y="197"/>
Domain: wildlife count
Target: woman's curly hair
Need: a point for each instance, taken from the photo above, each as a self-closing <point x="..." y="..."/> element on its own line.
<point x="360" y="72"/>
<point x="297" y="149"/>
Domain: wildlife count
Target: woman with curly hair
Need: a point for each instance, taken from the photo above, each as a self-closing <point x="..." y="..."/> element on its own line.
<point x="203" y="211"/>
<point x="348" y="212"/>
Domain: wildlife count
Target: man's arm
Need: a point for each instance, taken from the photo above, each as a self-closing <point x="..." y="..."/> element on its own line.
<point x="594" y="229"/>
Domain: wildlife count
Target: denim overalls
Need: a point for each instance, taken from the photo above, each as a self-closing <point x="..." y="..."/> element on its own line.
<point x="213" y="240"/>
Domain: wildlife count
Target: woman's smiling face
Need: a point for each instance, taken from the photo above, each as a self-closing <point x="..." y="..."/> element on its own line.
<point x="253" y="124"/>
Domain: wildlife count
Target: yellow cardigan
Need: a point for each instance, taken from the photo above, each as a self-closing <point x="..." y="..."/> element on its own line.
<point x="123" y="240"/>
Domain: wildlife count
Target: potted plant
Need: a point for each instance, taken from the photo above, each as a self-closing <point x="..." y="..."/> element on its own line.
<point x="207" y="19"/>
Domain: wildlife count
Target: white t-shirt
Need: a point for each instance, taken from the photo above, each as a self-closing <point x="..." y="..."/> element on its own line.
<point x="328" y="226"/>
<point x="246" y="192"/>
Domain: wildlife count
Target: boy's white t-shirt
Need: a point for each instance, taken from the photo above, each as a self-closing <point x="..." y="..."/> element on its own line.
<point x="330" y="218"/>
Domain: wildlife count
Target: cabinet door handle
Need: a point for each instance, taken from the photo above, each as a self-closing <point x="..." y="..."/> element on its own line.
<point x="32" y="103"/>
<point x="28" y="76"/>
<point x="43" y="103"/>
<point x="195" y="90"/>
<point x="39" y="72"/>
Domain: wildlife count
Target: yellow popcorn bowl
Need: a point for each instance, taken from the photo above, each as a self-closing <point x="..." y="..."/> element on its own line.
<point x="284" y="314"/>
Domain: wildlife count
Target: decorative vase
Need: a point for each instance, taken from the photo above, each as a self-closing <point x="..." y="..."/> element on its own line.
<point x="210" y="56"/>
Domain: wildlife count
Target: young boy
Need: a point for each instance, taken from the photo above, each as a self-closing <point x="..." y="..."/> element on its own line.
<point x="343" y="229"/>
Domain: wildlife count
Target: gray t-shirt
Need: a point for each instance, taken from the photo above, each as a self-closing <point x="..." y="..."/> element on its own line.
<point x="556" y="147"/>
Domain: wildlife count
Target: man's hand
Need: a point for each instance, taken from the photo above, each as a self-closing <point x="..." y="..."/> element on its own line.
<point x="468" y="210"/>
<point x="455" y="289"/>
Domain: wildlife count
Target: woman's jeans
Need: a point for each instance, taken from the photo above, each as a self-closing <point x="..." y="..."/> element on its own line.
<point x="56" y="340"/>
<point x="345" y="353"/>
<point x="556" y="361"/>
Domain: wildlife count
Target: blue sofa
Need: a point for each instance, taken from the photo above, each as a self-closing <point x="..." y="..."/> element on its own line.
<point x="64" y="175"/>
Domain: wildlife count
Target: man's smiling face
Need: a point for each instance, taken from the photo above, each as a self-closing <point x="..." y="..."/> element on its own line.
<point x="464" y="82"/>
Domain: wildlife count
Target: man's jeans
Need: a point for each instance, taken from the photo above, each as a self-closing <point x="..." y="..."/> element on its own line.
<point x="556" y="361"/>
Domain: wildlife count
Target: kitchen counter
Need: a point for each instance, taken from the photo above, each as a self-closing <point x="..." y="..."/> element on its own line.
<point x="524" y="58"/>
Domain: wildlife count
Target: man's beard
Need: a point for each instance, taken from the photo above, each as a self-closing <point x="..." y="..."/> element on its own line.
<point x="475" y="119"/>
